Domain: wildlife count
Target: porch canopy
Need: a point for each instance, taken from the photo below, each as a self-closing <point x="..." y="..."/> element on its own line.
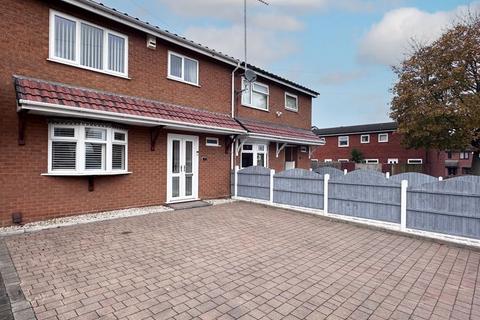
<point x="279" y="133"/>
<point x="57" y="99"/>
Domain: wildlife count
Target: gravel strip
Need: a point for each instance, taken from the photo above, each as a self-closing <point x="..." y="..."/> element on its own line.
<point x="80" y="219"/>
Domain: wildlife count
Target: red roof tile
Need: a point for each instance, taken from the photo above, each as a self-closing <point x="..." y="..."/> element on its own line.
<point x="278" y="131"/>
<point x="36" y="90"/>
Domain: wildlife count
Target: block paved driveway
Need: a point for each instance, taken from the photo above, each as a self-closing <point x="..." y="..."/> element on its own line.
<point x="244" y="261"/>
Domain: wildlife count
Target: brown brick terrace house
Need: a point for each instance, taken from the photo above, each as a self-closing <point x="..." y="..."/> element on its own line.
<point x="381" y="143"/>
<point x="102" y="111"/>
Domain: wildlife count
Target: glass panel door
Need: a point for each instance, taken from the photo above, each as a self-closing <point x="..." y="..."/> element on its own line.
<point x="176" y="168"/>
<point x="188" y="168"/>
<point x="182" y="167"/>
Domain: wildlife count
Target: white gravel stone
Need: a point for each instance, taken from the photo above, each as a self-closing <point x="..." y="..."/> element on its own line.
<point x="215" y="202"/>
<point x="80" y="219"/>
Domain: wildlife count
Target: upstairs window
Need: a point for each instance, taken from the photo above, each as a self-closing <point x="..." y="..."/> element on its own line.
<point x="291" y="102"/>
<point x="343" y="141"/>
<point x="255" y="95"/>
<point x="83" y="44"/>
<point x="182" y="68"/>
<point x="86" y="149"/>
<point x="365" y="138"/>
<point x="464" y="155"/>
<point x="383" y="137"/>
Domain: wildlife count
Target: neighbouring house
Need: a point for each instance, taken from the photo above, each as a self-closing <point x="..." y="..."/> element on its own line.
<point x="381" y="144"/>
<point x="103" y="111"/>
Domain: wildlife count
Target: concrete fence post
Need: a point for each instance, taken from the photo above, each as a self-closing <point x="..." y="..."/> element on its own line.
<point x="345" y="171"/>
<point x="272" y="173"/>
<point x="236" y="181"/>
<point x="440" y="178"/>
<point x="387" y="175"/>
<point x="326" y="177"/>
<point x="403" y="205"/>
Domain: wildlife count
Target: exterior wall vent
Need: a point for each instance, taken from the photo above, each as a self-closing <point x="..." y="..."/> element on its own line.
<point x="151" y="42"/>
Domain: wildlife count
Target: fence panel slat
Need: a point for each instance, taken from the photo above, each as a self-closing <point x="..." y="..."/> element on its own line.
<point x="451" y="207"/>
<point x="298" y="187"/>
<point x="365" y="194"/>
<point x="254" y="182"/>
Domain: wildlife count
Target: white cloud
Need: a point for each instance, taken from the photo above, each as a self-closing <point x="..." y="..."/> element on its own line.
<point x="340" y="78"/>
<point x="264" y="46"/>
<point x="388" y="41"/>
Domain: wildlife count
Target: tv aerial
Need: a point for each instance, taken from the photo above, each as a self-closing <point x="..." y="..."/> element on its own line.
<point x="249" y="75"/>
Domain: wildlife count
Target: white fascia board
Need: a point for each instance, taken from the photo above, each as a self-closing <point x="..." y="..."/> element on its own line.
<point x="61" y="110"/>
<point x="150" y="29"/>
<point x="282" y="139"/>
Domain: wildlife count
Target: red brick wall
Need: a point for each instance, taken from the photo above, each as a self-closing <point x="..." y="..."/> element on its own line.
<point x="24" y="51"/>
<point x="301" y="119"/>
<point x="24" y="189"/>
<point x="373" y="150"/>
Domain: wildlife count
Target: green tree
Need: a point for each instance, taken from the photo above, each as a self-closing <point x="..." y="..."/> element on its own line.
<point x="436" y="99"/>
<point x="357" y="156"/>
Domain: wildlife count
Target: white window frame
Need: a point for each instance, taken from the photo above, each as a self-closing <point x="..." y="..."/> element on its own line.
<point x="343" y="160"/>
<point x="255" y="151"/>
<point x="80" y="150"/>
<point x="344" y="146"/>
<point x="415" y="161"/>
<point x="462" y="155"/>
<point x="76" y="62"/>
<point x="303" y="149"/>
<point x="250" y="89"/>
<point x="327" y="160"/>
<point x="392" y="161"/>
<point x="382" y="134"/>
<point x="182" y="78"/>
<point x="287" y="94"/>
<point x="208" y="144"/>
<point x="365" y="135"/>
<point x="371" y="161"/>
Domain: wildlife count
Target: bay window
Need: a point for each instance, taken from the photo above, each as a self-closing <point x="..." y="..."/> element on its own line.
<point x="86" y="148"/>
<point x="86" y="45"/>
<point x="254" y="155"/>
<point x="255" y="95"/>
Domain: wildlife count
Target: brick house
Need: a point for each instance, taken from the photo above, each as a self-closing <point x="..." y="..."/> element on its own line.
<point x="103" y="111"/>
<point x="381" y="144"/>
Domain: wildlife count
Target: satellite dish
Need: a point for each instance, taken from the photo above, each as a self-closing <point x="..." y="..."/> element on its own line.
<point x="250" y="75"/>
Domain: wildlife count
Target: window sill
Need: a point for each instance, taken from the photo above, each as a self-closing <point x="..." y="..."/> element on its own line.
<point x="256" y="108"/>
<point x="88" y="68"/>
<point x="291" y="110"/>
<point x="343" y="146"/>
<point x="213" y="145"/>
<point x="84" y="174"/>
<point x="183" y="81"/>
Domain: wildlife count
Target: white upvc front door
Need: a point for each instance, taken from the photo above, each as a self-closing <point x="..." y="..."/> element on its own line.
<point x="182" y="167"/>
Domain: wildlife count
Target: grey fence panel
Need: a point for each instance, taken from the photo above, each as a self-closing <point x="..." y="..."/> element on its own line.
<point x="254" y="182"/>
<point x="333" y="172"/>
<point x="414" y="178"/>
<point x="365" y="194"/>
<point x="451" y="207"/>
<point x="298" y="187"/>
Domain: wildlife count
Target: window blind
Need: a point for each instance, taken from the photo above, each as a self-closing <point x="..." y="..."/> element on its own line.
<point x="94" y="156"/>
<point x="63" y="155"/>
<point x="118" y="157"/>
<point x="91" y="46"/>
<point x="65" y="38"/>
<point x="116" y="53"/>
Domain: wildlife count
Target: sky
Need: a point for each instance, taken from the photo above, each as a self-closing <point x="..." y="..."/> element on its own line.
<point x="344" y="49"/>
